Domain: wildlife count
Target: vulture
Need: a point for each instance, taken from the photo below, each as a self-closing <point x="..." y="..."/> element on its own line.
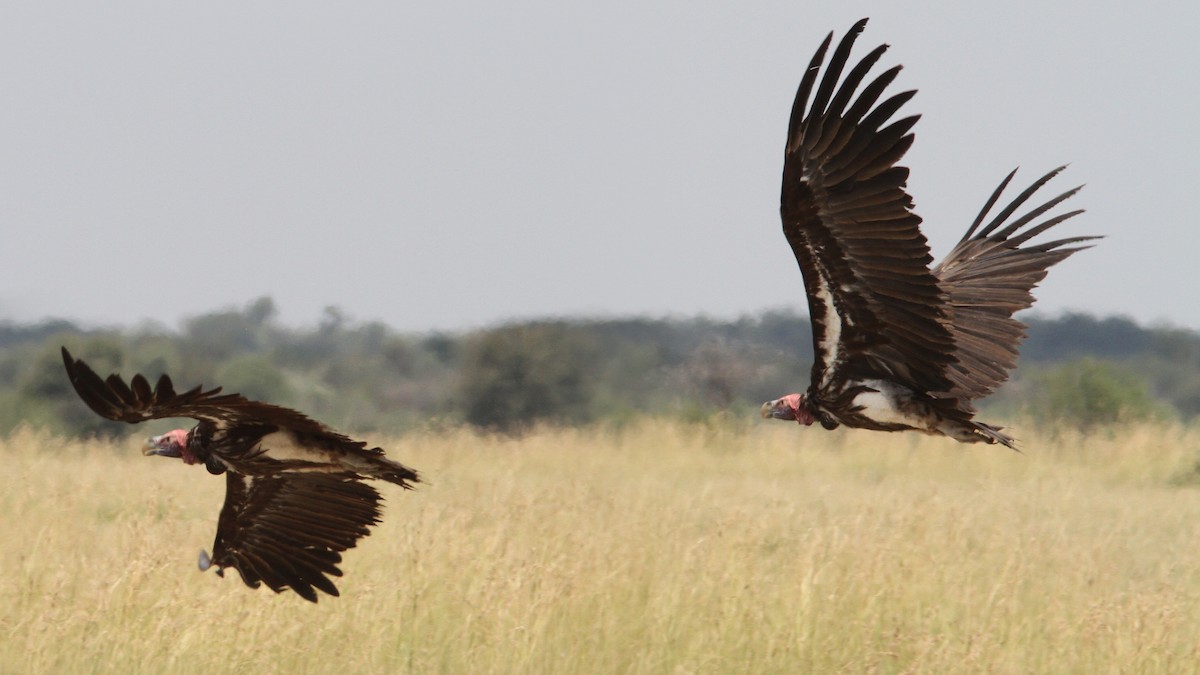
<point x="295" y="495"/>
<point x="897" y="345"/>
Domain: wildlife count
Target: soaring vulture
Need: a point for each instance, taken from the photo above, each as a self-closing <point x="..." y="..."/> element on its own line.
<point x="897" y="345"/>
<point x="294" y="491"/>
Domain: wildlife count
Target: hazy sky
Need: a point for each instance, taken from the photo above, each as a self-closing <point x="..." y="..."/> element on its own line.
<point x="454" y="164"/>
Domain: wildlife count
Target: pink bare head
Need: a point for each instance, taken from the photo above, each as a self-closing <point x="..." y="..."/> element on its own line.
<point x="171" y="444"/>
<point x="790" y="407"/>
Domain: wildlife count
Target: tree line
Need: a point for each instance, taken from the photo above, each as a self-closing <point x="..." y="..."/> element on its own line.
<point x="366" y="377"/>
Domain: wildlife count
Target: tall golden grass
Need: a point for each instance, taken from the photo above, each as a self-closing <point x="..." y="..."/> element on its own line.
<point x="654" y="548"/>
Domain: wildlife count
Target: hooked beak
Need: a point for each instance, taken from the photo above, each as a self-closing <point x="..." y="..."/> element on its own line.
<point x="777" y="410"/>
<point x="158" y="445"/>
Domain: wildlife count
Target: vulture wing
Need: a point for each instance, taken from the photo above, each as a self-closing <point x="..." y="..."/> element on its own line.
<point x="988" y="276"/>
<point x="137" y="401"/>
<point x="876" y="308"/>
<point x="288" y="530"/>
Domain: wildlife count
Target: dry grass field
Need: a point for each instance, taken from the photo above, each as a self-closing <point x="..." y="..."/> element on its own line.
<point x="655" y="548"/>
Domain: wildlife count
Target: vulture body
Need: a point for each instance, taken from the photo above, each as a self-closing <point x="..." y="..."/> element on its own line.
<point x="898" y="346"/>
<point x="295" y="495"/>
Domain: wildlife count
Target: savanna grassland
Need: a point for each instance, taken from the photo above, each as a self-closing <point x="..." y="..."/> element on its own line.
<point x="653" y="548"/>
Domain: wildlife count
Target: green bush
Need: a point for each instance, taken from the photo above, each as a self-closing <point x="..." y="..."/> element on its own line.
<point x="254" y="377"/>
<point x="1090" y="393"/>
<point x="515" y="376"/>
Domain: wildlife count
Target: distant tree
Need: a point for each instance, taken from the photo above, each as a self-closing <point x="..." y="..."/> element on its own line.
<point x="784" y="331"/>
<point x="1075" y="335"/>
<point x="220" y="336"/>
<point x="255" y="377"/>
<point x="46" y="398"/>
<point x="444" y="347"/>
<point x="12" y="334"/>
<point x="401" y="356"/>
<point x="1091" y="393"/>
<point x="1176" y="346"/>
<point x="718" y="371"/>
<point x="518" y="375"/>
<point x="1187" y="400"/>
<point x="333" y="321"/>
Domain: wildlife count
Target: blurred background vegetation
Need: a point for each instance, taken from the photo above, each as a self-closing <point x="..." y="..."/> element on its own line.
<point x="1076" y="370"/>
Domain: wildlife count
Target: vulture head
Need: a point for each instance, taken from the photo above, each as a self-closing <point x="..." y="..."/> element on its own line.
<point x="171" y="444"/>
<point x="790" y="407"/>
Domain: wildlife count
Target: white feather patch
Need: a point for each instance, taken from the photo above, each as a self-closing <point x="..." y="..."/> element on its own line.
<point x="882" y="405"/>
<point x="281" y="446"/>
<point x="830" y="341"/>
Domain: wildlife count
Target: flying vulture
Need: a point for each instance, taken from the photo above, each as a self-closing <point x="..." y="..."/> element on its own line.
<point x="898" y="346"/>
<point x="294" y="491"/>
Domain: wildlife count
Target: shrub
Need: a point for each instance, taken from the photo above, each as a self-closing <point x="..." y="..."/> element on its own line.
<point x="1090" y="393"/>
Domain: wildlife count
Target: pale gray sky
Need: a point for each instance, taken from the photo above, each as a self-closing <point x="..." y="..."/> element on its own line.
<point x="453" y="164"/>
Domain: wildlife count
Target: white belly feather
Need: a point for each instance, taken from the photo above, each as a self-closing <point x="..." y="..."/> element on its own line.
<point x="884" y="405"/>
<point x="281" y="446"/>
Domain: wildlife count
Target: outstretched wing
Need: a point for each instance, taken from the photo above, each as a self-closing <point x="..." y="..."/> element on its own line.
<point x="137" y="401"/>
<point x="989" y="276"/>
<point x="241" y="422"/>
<point x="288" y="530"/>
<point x="876" y="309"/>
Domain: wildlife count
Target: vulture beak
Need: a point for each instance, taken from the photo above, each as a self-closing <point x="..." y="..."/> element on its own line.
<point x="161" y="446"/>
<point x="777" y="410"/>
<point x="785" y="408"/>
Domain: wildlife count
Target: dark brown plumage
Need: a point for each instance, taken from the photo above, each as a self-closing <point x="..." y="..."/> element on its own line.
<point x="295" y="496"/>
<point x="897" y="345"/>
